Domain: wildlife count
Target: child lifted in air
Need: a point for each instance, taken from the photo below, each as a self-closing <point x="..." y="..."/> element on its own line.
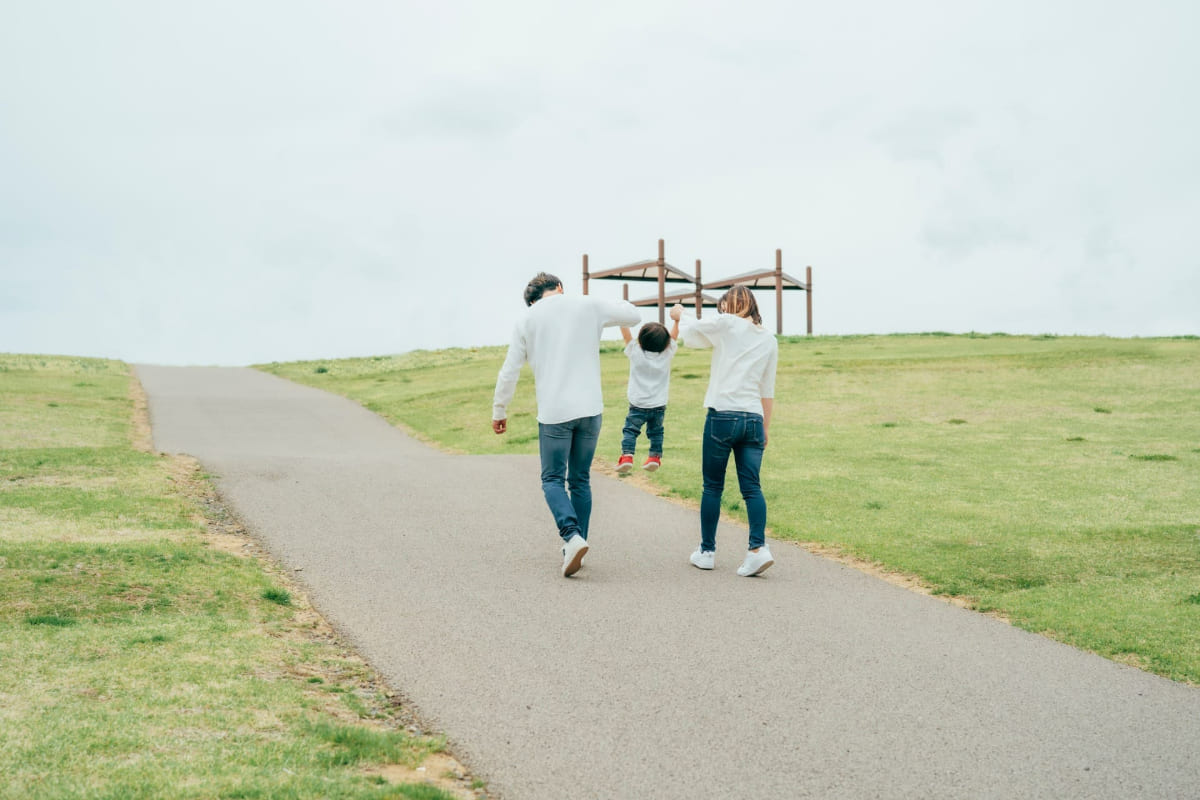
<point x="649" y="379"/>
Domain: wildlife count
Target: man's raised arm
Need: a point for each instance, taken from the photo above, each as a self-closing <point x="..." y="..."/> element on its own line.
<point x="620" y="313"/>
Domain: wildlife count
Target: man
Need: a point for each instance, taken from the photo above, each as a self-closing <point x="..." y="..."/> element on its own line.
<point x="559" y="335"/>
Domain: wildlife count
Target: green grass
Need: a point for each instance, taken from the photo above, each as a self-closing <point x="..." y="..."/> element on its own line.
<point x="1049" y="479"/>
<point x="139" y="661"/>
<point x="280" y="596"/>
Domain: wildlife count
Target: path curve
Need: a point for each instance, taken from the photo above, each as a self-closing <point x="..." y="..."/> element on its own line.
<point x="643" y="677"/>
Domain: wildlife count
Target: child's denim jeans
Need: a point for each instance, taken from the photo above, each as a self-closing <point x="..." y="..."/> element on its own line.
<point x="652" y="419"/>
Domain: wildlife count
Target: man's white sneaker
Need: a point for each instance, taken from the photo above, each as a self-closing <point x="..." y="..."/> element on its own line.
<point x="756" y="563"/>
<point x="573" y="552"/>
<point x="702" y="558"/>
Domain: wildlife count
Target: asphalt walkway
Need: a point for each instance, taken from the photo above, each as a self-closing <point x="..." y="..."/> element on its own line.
<point x="643" y="677"/>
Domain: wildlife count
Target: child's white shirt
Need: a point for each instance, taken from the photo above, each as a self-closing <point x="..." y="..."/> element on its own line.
<point x="649" y="374"/>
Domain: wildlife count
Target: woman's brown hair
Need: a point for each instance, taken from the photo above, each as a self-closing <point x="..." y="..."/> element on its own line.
<point x="740" y="302"/>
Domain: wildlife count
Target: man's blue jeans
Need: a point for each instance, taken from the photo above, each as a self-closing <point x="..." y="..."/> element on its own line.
<point x="652" y="419"/>
<point x="567" y="449"/>
<point x="740" y="433"/>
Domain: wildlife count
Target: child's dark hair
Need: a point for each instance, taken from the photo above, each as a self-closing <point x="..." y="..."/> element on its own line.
<point x="541" y="283"/>
<point x="653" y="337"/>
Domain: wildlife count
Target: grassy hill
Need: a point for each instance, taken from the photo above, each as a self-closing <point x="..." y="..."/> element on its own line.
<point x="1052" y="480"/>
<point x="145" y="652"/>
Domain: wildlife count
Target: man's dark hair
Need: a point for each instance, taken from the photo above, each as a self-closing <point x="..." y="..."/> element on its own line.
<point x="541" y="283"/>
<point x="653" y="337"/>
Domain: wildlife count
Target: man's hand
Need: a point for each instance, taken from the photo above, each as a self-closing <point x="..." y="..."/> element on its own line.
<point x="500" y="425"/>
<point x="676" y="312"/>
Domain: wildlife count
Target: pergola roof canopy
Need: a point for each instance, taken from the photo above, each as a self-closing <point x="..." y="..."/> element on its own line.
<point x="643" y="271"/>
<point x="757" y="280"/>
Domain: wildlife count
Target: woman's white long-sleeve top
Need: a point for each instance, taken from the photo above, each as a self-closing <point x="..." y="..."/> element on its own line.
<point x="743" y="364"/>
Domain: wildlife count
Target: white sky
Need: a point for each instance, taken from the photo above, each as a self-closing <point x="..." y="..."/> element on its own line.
<point x="233" y="182"/>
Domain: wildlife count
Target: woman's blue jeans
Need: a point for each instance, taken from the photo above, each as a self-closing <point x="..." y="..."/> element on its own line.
<point x="740" y="433"/>
<point x="567" y="449"/>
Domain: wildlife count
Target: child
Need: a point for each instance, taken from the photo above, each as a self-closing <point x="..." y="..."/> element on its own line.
<point x="649" y="379"/>
<point x="740" y="398"/>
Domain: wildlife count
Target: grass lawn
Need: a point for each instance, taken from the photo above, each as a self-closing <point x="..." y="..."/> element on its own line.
<point x="145" y="652"/>
<point x="1051" y="480"/>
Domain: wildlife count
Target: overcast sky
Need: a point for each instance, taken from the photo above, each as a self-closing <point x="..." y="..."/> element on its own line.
<point x="238" y="182"/>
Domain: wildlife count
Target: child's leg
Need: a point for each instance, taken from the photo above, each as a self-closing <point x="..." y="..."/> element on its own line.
<point x="634" y="421"/>
<point x="654" y="430"/>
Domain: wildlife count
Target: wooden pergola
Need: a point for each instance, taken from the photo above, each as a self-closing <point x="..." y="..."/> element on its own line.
<point x="659" y="271"/>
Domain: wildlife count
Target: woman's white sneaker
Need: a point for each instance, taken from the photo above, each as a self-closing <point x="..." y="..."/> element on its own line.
<point x="756" y="563"/>
<point x="703" y="559"/>
<point x="573" y="552"/>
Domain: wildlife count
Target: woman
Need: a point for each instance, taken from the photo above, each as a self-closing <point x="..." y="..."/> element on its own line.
<point x="741" y="391"/>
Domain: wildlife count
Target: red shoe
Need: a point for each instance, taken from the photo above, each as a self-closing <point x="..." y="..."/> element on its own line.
<point x="652" y="463"/>
<point x="625" y="464"/>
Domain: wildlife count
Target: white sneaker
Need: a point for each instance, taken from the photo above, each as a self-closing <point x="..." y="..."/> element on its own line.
<point x="756" y="563"/>
<point x="703" y="559"/>
<point x="573" y="552"/>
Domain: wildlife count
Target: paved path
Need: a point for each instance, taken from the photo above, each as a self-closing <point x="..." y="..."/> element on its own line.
<point x="643" y="677"/>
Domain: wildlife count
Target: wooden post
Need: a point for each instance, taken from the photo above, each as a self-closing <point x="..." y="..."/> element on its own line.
<point x="625" y="292"/>
<point x="779" y="291"/>
<point x="662" y="284"/>
<point x="699" y="292"/>
<point x="808" y="292"/>
<point x="585" y="273"/>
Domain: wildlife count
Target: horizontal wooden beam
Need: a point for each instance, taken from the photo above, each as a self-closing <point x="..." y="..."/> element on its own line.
<point x="652" y="278"/>
<point x="757" y="280"/>
<point x="686" y="299"/>
<point x="648" y="270"/>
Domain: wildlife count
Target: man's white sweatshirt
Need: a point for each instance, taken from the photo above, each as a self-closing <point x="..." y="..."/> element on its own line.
<point x="559" y="336"/>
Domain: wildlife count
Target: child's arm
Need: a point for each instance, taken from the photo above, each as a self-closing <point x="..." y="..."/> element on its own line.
<point x="626" y="334"/>
<point x="676" y="312"/>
